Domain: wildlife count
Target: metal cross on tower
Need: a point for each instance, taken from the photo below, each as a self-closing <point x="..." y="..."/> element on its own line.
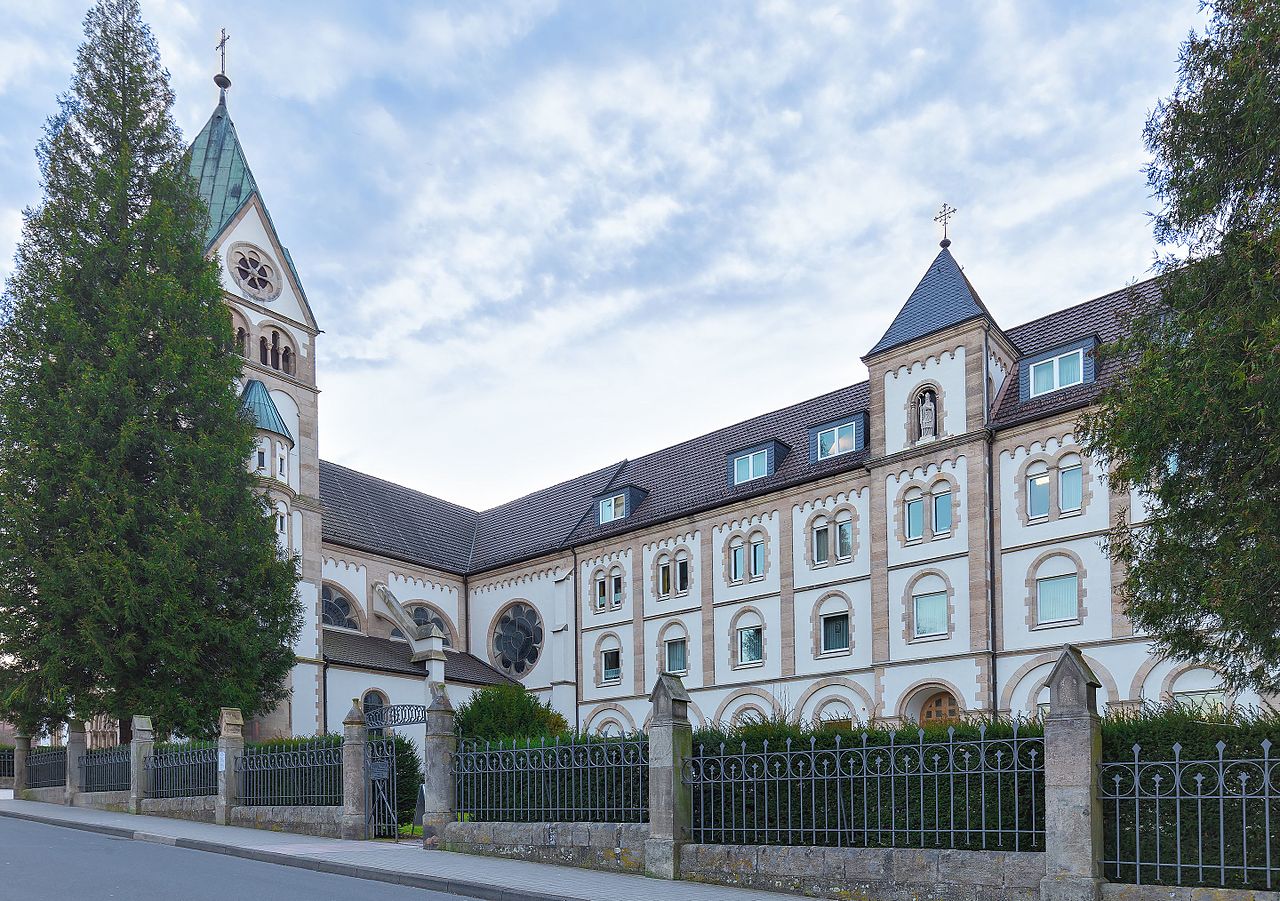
<point x="221" y="79"/>
<point x="944" y="216"/>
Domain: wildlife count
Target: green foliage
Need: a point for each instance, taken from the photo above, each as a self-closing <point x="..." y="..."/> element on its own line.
<point x="139" y="569"/>
<point x="500" y="712"/>
<point x="408" y="778"/>
<point x="1158" y="727"/>
<point x="778" y="729"/>
<point x="1195" y="419"/>
<point x="330" y="740"/>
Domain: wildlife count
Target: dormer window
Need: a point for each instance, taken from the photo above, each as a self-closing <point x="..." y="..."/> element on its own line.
<point x="836" y="440"/>
<point x="613" y="507"/>
<point x="748" y="467"/>
<point x="1057" y="372"/>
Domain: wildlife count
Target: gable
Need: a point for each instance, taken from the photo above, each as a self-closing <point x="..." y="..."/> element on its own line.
<point x="252" y="231"/>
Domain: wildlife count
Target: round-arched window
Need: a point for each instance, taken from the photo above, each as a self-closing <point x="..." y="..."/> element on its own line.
<point x="254" y="271"/>
<point x="336" y="609"/>
<point x="517" y="639"/>
<point x="425" y="616"/>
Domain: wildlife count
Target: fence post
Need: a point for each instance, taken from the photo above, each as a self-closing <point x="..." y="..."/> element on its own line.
<point x="670" y="804"/>
<point x="140" y="748"/>
<point x="1073" y="813"/>
<point x="439" y="797"/>
<point x="353" y="781"/>
<point x="76" y="748"/>
<point x="230" y="746"/>
<point x="21" y="748"/>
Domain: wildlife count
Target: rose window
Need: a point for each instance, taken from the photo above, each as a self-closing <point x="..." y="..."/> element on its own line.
<point x="254" y="272"/>
<point x="517" y="639"/>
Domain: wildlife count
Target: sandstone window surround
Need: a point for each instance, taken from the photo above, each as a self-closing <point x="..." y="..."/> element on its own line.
<point x="747" y="646"/>
<point x="1056" y="590"/>
<point x="608" y="659"/>
<point x="924" y="413"/>
<point x="609" y="588"/>
<point x="673" y="648"/>
<point x="276" y="351"/>
<point x="1050" y="487"/>
<point x="424" y="614"/>
<point x="337" y="609"/>
<point x="928" y="607"/>
<point x="254" y="271"/>
<point x="746" y="557"/>
<point x="672" y="573"/>
<point x="927" y="510"/>
<point x="831" y="536"/>
<point x="834" y="713"/>
<point x="828" y="637"/>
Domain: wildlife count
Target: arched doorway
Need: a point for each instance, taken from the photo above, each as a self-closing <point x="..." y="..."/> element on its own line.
<point x="939" y="707"/>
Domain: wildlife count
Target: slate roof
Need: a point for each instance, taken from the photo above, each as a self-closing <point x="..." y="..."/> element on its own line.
<point x="369" y="514"/>
<point x="943" y="298"/>
<point x="1105" y="318"/>
<point x="256" y="399"/>
<point x="388" y="655"/>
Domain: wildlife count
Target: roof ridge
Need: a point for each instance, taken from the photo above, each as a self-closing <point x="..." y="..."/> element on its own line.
<point x="1083" y="303"/>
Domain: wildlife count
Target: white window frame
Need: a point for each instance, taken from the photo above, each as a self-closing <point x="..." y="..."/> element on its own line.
<point x="950" y="513"/>
<point x="666" y="655"/>
<point x="605" y="678"/>
<point x="1077" y="468"/>
<point x="617" y="586"/>
<point x="760" y="456"/>
<point x="835" y="431"/>
<point x="681" y="585"/>
<point x="742" y="630"/>
<point x="737" y="562"/>
<point x="613" y="508"/>
<point x="1073" y="617"/>
<point x="757" y="541"/>
<point x="915" y="615"/>
<point x="1048" y="495"/>
<point x="602" y="593"/>
<point x="848" y="632"/>
<point x="665" y="576"/>
<point x="823" y="530"/>
<point x="843" y="525"/>
<point x="906" y="518"/>
<point x="1056" y="364"/>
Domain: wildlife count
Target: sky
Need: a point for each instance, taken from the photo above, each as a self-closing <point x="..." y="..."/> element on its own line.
<point x="543" y="237"/>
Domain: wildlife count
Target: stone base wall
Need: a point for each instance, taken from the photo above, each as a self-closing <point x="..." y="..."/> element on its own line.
<point x="325" y="821"/>
<point x="940" y="875"/>
<point x="55" y="795"/>
<point x="198" y="809"/>
<point x="617" y="847"/>
<point x="1119" y="892"/>
<point x="117" y="801"/>
<point x="6" y="782"/>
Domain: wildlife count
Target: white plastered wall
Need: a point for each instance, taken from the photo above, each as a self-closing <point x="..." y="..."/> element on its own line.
<point x="901" y="384"/>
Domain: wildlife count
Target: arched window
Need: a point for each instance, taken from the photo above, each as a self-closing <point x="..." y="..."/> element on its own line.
<point x="615" y="587"/>
<point x="275" y="350"/>
<point x="517" y="638"/>
<point x="1070" y="483"/>
<point x="609" y="660"/>
<point x="264" y="352"/>
<point x="835" y="714"/>
<point x="673" y="649"/>
<point x="664" y="576"/>
<point x="373" y="702"/>
<point x="758" y="558"/>
<point x="426" y="616"/>
<point x="242" y="342"/>
<point x="926" y="415"/>
<point x="1056" y="598"/>
<point x="286" y="360"/>
<point x="737" y="559"/>
<point x="913" y="515"/>
<point x="336" y="609"/>
<point x="747" y="635"/>
<point x="1038" y="490"/>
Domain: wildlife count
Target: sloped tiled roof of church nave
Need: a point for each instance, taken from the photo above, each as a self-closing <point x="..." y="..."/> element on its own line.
<point x="943" y="298"/>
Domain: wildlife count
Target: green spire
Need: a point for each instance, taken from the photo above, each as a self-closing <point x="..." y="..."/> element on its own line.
<point x="257" y="400"/>
<point x="218" y="165"/>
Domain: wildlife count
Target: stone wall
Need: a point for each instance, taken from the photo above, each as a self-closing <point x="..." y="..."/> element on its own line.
<point x="325" y="821"/>
<point x="618" y="847"/>
<point x="55" y="795"/>
<point x="940" y="875"/>
<point x="1117" y="892"/>
<point x="199" y="809"/>
<point x="6" y="782"/>
<point x="117" y="800"/>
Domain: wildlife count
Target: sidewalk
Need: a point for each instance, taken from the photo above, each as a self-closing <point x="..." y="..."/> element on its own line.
<point x="406" y="863"/>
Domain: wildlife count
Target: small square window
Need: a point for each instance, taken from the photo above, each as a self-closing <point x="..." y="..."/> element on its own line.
<point x="835" y="632"/>
<point x="611" y="665"/>
<point x="930" y="614"/>
<point x="835" y="441"/>
<point x="750" y="466"/>
<point x="750" y="645"/>
<point x="915" y="519"/>
<point x="612" y="508"/>
<point x="262" y="459"/>
<point x="682" y="576"/>
<point x="942" y="513"/>
<point x="677" y="661"/>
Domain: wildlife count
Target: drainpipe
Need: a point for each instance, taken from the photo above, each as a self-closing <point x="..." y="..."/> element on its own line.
<point x="991" y="524"/>
<point x="577" y="648"/>
<point x="324" y="693"/>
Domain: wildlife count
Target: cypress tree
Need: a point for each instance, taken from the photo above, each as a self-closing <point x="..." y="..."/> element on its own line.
<point x="139" y="571"/>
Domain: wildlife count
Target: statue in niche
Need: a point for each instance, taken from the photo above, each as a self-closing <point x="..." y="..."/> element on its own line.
<point x="928" y="408"/>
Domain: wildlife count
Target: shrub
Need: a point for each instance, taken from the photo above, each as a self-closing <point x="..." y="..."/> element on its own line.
<point x="408" y="778"/>
<point x="500" y="712"/>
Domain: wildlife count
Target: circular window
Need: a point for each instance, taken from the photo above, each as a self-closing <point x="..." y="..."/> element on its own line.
<point x="517" y="639"/>
<point x="254" y="271"/>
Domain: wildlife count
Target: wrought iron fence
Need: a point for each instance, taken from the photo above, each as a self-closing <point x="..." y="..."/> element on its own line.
<point x="183" y="771"/>
<point x="300" y="774"/>
<point x="395" y="715"/>
<point x="6" y="763"/>
<point x="105" y="770"/>
<point x="983" y="793"/>
<point x="1192" y="822"/>
<point x="46" y="767"/>
<point x="380" y="803"/>
<point x="585" y="780"/>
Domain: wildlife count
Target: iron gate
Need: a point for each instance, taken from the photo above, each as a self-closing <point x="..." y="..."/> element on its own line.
<point x="380" y="820"/>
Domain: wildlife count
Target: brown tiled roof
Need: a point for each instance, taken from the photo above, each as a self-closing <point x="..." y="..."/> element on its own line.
<point x="391" y="656"/>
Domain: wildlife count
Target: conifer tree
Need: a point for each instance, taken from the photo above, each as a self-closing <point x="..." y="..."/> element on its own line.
<point x="1195" y="421"/>
<point x="139" y="571"/>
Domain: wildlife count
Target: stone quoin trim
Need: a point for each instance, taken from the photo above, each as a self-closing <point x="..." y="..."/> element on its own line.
<point x="1031" y="599"/>
<point x="747" y="536"/>
<point x="672" y="554"/>
<point x="827" y="688"/>
<point x="606" y="712"/>
<point x="674" y="629"/>
<point x="928" y="485"/>
<point x="922" y="689"/>
<point x="602" y="645"/>
<point x="763" y="698"/>
<point x="608" y="571"/>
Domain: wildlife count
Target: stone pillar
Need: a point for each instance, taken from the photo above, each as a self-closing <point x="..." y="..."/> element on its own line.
<point x="429" y="650"/>
<point x="439" y="798"/>
<point x="1073" y="813"/>
<point x="670" y="803"/>
<point x="230" y="746"/>
<point x="76" y="748"/>
<point x="141" y="747"/>
<point x="21" y="748"/>
<point x="353" y="781"/>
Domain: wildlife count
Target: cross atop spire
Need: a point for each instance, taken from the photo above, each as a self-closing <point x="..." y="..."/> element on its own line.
<point x="944" y="216"/>
<point x="221" y="79"/>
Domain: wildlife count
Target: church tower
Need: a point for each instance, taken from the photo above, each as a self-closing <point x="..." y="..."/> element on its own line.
<point x="275" y="332"/>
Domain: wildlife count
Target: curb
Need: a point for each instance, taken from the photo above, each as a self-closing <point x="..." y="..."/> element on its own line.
<point x="463" y="888"/>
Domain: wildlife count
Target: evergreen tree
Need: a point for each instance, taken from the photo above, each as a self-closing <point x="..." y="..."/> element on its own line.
<point x="139" y="571"/>
<point x="1195" y="420"/>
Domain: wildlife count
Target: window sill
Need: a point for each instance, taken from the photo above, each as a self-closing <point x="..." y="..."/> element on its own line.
<point x="1057" y="624"/>
<point x="938" y="536"/>
<point x="1037" y="520"/>
<point x="610" y="684"/>
<point x="756" y="579"/>
<point x="834" y="652"/>
<point x="922" y="639"/>
<point x="1067" y="514"/>
<point x="820" y="565"/>
<point x="752" y="665"/>
<point x="677" y="672"/>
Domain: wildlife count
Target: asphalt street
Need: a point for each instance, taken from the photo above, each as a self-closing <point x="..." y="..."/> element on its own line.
<point x="39" y="861"/>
